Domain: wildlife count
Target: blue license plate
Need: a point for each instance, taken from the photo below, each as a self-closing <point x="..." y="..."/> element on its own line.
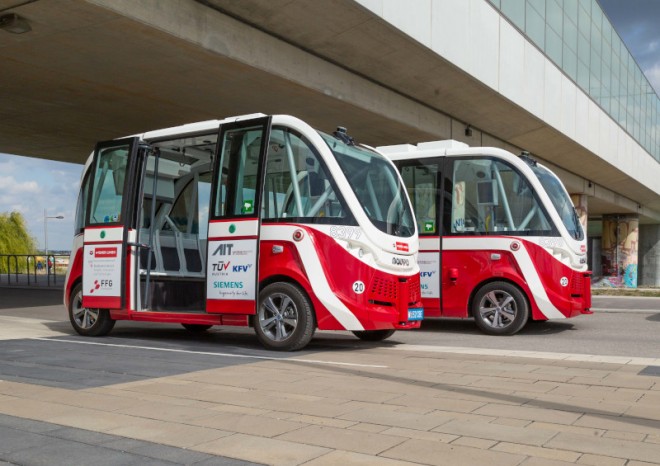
<point x="416" y="313"/>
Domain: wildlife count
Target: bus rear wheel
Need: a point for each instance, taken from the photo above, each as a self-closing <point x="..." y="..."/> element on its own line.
<point x="500" y="308"/>
<point x="373" y="335"/>
<point x="285" y="317"/>
<point x="86" y="321"/>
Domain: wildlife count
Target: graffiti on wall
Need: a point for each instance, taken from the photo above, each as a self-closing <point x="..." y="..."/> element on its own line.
<point x="619" y="251"/>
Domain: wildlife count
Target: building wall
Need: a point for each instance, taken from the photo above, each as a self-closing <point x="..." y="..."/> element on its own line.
<point x="473" y="35"/>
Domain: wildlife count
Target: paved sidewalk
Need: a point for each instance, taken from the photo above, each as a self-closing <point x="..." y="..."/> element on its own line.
<point x="380" y="405"/>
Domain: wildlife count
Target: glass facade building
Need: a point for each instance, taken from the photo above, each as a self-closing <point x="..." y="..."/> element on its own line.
<point x="579" y="38"/>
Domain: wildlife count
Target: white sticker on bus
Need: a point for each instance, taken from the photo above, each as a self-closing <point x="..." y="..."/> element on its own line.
<point x="102" y="270"/>
<point x="429" y="274"/>
<point x="232" y="269"/>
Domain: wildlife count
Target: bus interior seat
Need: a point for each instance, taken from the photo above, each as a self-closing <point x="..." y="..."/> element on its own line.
<point x="169" y="251"/>
<point x="192" y="253"/>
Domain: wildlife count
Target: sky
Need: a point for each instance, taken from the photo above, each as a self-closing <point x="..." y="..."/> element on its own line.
<point x="638" y="24"/>
<point x="30" y="185"/>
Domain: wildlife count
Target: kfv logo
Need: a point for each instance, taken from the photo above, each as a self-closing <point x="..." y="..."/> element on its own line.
<point x="426" y="274"/>
<point x="241" y="268"/>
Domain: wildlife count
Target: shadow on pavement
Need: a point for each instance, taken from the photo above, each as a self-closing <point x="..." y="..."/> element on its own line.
<point x="468" y="327"/>
<point x="13" y="298"/>
<point x="654" y="317"/>
<point x="448" y="388"/>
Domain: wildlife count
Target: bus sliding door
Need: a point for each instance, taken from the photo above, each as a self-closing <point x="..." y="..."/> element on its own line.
<point x="233" y="237"/>
<point x="423" y="179"/>
<point x="105" y="253"/>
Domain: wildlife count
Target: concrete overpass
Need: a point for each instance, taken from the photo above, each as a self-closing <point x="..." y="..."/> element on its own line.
<point x="98" y="69"/>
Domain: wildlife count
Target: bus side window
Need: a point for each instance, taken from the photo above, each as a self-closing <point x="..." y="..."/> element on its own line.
<point x="491" y="197"/>
<point x="312" y="195"/>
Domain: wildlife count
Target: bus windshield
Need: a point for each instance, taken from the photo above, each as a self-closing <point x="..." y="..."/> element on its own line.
<point x="560" y="200"/>
<point x="376" y="185"/>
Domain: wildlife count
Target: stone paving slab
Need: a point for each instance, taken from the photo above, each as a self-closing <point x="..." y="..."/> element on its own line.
<point x="27" y="442"/>
<point x="348" y="405"/>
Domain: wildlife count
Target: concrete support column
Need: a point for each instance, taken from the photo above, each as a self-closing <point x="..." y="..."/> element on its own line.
<point x="580" y="201"/>
<point x="649" y="255"/>
<point x="619" y="250"/>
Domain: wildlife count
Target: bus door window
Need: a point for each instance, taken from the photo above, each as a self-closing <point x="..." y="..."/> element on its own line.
<point x="239" y="164"/>
<point x="312" y="196"/>
<point x="108" y="186"/>
<point x="81" y="206"/>
<point x="491" y="197"/>
<point x="421" y="180"/>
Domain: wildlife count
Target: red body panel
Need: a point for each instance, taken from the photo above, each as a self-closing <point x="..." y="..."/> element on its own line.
<point x="383" y="305"/>
<point x="75" y="274"/>
<point x="463" y="271"/>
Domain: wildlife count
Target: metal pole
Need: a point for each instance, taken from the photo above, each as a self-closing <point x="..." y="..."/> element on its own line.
<point x="46" y="236"/>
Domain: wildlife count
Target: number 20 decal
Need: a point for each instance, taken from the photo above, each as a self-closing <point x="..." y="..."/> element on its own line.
<point x="358" y="287"/>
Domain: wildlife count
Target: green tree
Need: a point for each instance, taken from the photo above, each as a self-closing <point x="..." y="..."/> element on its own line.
<point x="15" y="239"/>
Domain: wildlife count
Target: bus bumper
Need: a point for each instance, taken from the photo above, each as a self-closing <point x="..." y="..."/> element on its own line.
<point x="581" y="293"/>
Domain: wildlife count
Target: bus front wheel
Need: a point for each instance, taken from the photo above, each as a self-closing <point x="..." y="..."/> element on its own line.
<point x="285" y="317"/>
<point x="373" y="335"/>
<point x="500" y="308"/>
<point x="86" y="321"/>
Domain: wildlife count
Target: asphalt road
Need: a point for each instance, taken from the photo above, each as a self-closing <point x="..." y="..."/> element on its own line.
<point x="620" y="326"/>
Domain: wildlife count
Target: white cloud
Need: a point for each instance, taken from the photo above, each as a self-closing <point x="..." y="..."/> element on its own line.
<point x="10" y="185"/>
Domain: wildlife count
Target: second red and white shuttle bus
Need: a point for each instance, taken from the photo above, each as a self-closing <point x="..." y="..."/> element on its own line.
<point x="500" y="240"/>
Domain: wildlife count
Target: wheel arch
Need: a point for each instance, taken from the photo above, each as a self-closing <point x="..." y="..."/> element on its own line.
<point x="288" y="279"/>
<point x="69" y="290"/>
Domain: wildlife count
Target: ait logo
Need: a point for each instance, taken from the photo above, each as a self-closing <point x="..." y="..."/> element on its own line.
<point x="97" y="285"/>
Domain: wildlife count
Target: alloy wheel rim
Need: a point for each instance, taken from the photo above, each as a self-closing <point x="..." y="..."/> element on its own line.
<point x="85" y="318"/>
<point x="498" y="309"/>
<point x="278" y="317"/>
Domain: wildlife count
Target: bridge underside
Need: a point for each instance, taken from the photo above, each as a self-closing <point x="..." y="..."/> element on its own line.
<point x="100" y="69"/>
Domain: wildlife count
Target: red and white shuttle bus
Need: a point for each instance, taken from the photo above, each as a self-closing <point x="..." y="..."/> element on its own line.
<point x="500" y="240"/>
<point x="254" y="220"/>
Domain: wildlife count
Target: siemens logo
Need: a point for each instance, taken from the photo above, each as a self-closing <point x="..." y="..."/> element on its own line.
<point x="238" y="285"/>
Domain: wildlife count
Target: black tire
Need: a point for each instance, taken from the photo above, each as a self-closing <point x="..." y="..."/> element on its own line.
<point x="500" y="308"/>
<point x="285" y="317"/>
<point x="374" y="335"/>
<point x="88" y="322"/>
<point x="196" y="328"/>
